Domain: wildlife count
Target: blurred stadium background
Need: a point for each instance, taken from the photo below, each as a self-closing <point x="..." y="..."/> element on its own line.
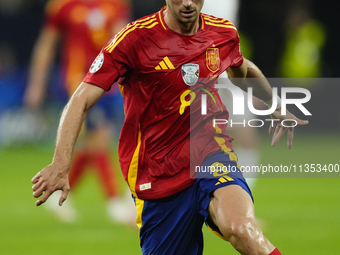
<point x="289" y="39"/>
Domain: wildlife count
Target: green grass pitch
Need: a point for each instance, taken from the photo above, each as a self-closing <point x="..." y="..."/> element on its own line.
<point x="299" y="215"/>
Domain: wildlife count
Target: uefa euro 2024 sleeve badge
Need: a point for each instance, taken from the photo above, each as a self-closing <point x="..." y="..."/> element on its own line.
<point x="97" y="63"/>
<point x="190" y="73"/>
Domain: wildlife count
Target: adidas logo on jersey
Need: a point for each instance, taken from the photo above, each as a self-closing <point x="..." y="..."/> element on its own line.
<point x="165" y="64"/>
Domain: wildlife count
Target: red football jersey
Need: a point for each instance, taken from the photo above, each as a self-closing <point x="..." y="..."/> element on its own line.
<point x="162" y="77"/>
<point x="85" y="27"/>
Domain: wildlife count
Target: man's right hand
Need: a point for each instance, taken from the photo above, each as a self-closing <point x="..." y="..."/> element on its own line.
<point x="55" y="176"/>
<point x="47" y="181"/>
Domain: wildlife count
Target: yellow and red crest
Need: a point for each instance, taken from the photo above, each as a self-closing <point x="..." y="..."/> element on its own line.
<point x="213" y="59"/>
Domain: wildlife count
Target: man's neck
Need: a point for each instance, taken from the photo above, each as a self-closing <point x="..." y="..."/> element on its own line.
<point x="179" y="27"/>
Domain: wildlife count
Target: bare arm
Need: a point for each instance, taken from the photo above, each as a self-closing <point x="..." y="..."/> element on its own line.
<point x="41" y="64"/>
<point x="249" y="75"/>
<point x="55" y="176"/>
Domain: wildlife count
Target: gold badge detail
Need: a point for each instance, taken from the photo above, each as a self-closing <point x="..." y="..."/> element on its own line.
<point x="213" y="59"/>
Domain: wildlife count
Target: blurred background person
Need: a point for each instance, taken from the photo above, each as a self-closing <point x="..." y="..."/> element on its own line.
<point x="82" y="27"/>
<point x="305" y="40"/>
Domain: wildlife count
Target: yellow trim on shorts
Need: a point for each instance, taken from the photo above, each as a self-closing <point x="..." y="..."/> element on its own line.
<point x="140" y="208"/>
<point x="216" y="233"/>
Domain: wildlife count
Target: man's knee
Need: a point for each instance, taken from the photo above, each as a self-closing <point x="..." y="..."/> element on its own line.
<point x="232" y="211"/>
<point x="239" y="228"/>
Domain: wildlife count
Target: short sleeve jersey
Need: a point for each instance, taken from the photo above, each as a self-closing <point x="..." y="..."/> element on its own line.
<point x="85" y="27"/>
<point x="162" y="75"/>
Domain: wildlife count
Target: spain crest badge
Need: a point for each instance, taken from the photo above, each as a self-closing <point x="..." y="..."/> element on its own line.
<point x="213" y="59"/>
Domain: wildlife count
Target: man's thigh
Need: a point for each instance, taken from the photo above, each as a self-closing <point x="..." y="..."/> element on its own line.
<point x="223" y="192"/>
<point x="229" y="207"/>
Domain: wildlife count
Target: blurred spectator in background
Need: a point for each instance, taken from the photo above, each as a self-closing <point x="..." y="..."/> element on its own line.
<point x="263" y="22"/>
<point x="82" y="27"/>
<point x="246" y="137"/>
<point x="20" y="22"/>
<point x="305" y="39"/>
